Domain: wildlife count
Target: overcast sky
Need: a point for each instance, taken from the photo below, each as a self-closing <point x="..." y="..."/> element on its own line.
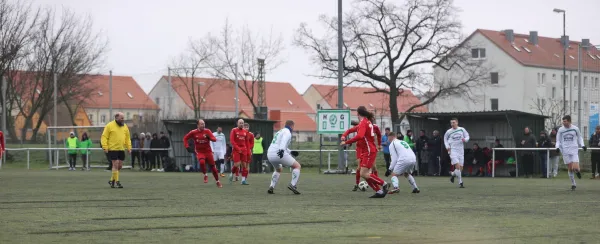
<point x="145" y="35"/>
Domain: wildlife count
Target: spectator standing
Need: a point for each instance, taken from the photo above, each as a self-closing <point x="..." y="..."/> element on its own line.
<point x="147" y="153"/>
<point x="435" y="152"/>
<point x="422" y="152"/>
<point x="544" y="142"/>
<point x="478" y="161"/>
<point x="554" y="157"/>
<point x="72" y="144"/>
<point x="408" y="138"/>
<point x="2" y="145"/>
<point x="135" y="151"/>
<point x="595" y="143"/>
<point x="154" y="153"/>
<point x="385" y="144"/>
<point x="165" y="144"/>
<point x="257" y="153"/>
<point x="84" y="146"/>
<point x="527" y="157"/>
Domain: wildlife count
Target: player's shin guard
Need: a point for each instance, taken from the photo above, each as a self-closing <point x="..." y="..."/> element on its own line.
<point x="357" y="176"/>
<point x="412" y="182"/>
<point x="215" y="173"/>
<point x="203" y="168"/>
<point x="295" y="176"/>
<point x="459" y="175"/>
<point x="395" y="181"/>
<point x="572" y="177"/>
<point x="274" y="179"/>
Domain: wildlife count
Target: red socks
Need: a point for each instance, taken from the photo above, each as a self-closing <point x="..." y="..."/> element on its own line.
<point x="377" y="180"/>
<point x="245" y="172"/>
<point x="235" y="170"/>
<point x="357" y="177"/>
<point x="203" y="168"/>
<point x="215" y="173"/>
<point x="373" y="184"/>
<point x="470" y="169"/>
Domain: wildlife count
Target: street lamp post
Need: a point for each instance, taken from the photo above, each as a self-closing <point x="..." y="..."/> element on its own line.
<point x="565" y="46"/>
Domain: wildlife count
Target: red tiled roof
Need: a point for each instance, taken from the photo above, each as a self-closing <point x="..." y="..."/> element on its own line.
<point x="122" y="86"/>
<point x="302" y="122"/>
<point x="543" y="54"/>
<point x="280" y="96"/>
<point x="357" y="96"/>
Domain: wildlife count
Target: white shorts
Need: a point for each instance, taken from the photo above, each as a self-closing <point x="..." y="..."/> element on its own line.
<point x="403" y="167"/>
<point x="219" y="155"/>
<point x="571" y="158"/>
<point x="277" y="162"/>
<point x="457" y="158"/>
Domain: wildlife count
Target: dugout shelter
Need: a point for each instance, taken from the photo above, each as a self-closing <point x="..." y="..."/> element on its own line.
<point x="483" y="127"/>
<point x="179" y="128"/>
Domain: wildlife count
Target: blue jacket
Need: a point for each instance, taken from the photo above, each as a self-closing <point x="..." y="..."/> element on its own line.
<point x="385" y="144"/>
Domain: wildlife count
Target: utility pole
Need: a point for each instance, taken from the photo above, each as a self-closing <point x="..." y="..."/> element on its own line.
<point x="4" y="110"/>
<point x="341" y="163"/>
<point x="110" y="93"/>
<point x="579" y="89"/>
<point x="169" y="84"/>
<point x="237" y="100"/>
<point x="55" y="122"/>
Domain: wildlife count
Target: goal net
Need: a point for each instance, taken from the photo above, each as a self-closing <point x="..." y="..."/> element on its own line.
<point x="59" y="153"/>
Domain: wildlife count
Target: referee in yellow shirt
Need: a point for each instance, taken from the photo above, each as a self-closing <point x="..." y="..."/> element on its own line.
<point x="115" y="139"/>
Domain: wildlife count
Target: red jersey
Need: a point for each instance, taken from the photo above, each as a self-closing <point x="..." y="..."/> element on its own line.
<point x="202" y="139"/>
<point x="2" y="141"/>
<point x="354" y="129"/>
<point x="377" y="133"/>
<point x="250" y="141"/>
<point x="365" y="138"/>
<point x="239" y="139"/>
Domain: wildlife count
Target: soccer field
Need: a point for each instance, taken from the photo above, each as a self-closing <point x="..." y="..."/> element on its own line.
<point x="80" y="207"/>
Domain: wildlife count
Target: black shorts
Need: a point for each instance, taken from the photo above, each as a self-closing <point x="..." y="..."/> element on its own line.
<point x="116" y="155"/>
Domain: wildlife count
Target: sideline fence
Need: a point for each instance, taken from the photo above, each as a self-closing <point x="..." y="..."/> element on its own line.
<point x="528" y="149"/>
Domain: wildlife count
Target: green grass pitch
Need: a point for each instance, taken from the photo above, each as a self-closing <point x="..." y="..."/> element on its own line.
<point x="42" y="206"/>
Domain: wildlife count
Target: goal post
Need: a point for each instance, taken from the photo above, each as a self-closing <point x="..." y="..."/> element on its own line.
<point x="58" y="152"/>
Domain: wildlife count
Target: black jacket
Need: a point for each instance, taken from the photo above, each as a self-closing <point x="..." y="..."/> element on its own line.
<point x="594" y="141"/>
<point x="155" y="144"/>
<point x="529" y="142"/>
<point x="435" y="145"/>
<point x="421" y="141"/>
<point x="164" y="142"/>
<point x="544" y="142"/>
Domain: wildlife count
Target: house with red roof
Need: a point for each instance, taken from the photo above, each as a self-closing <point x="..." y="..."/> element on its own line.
<point x="216" y="99"/>
<point x="326" y="97"/>
<point x="527" y="73"/>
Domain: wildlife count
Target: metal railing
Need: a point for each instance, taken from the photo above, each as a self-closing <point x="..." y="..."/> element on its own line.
<point x="58" y="150"/>
<point x="526" y="149"/>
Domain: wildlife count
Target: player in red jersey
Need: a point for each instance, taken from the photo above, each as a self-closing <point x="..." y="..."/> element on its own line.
<point x="202" y="138"/>
<point x="2" y="146"/>
<point x="239" y="141"/>
<point x="246" y="163"/>
<point x="365" y="144"/>
<point x="377" y="132"/>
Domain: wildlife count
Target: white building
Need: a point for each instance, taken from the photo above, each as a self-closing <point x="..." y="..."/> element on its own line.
<point x="526" y="76"/>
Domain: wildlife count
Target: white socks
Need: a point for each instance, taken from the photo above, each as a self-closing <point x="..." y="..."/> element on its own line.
<point x="411" y="181"/>
<point x="243" y="178"/>
<point x="459" y="175"/>
<point x="572" y="177"/>
<point x="222" y="168"/>
<point x="274" y="179"/>
<point x="295" y="176"/>
<point x="395" y="181"/>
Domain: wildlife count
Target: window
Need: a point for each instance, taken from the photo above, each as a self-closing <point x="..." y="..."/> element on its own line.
<point x="494" y="77"/>
<point x="478" y="53"/>
<point x="494" y="102"/>
<point x="556" y="55"/>
<point x="585" y="108"/>
<point x="596" y="83"/>
<point x="575" y="81"/>
<point x="553" y="92"/>
<point x="128" y="116"/>
<point x="575" y="106"/>
<point x="543" y="103"/>
<point x="585" y="82"/>
<point x="129" y="95"/>
<point x="585" y="131"/>
<point x="103" y="119"/>
<point x="553" y="76"/>
<point x="539" y="78"/>
<point x="543" y="78"/>
<point x="158" y="101"/>
<point x="91" y="117"/>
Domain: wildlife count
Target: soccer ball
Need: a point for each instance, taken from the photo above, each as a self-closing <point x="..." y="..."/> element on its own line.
<point x="363" y="186"/>
<point x="188" y="167"/>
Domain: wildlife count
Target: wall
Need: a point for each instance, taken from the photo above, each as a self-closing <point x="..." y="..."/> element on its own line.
<point x="96" y="114"/>
<point x="178" y="108"/>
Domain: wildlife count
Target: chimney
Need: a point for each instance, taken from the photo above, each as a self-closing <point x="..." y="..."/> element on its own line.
<point x="510" y="35"/>
<point x="585" y="44"/>
<point x="565" y="41"/>
<point x="533" y="37"/>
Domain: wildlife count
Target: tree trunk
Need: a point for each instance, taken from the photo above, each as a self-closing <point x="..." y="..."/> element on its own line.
<point x="35" y="130"/>
<point x="394" y="105"/>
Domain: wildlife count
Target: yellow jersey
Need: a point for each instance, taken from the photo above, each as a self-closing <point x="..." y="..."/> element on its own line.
<point x="115" y="137"/>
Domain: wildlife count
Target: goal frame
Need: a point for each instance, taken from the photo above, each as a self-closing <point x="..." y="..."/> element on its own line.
<point x="55" y="151"/>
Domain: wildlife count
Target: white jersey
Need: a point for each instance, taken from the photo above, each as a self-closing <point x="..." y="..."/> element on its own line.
<point x="569" y="140"/>
<point x="400" y="152"/>
<point x="281" y="141"/>
<point x="453" y="139"/>
<point x="221" y="144"/>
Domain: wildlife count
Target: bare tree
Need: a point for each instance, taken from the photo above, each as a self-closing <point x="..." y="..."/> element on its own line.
<point x="188" y="68"/>
<point x="66" y="46"/>
<point x="391" y="48"/>
<point x="551" y="108"/>
<point x="244" y="48"/>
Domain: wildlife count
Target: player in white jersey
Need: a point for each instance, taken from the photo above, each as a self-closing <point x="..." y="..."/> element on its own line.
<point x="219" y="147"/>
<point x="402" y="162"/>
<point x="279" y="155"/>
<point x="455" y="139"/>
<point x="568" y="141"/>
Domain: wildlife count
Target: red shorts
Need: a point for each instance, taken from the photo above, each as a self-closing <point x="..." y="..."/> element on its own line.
<point x="205" y="158"/>
<point x="367" y="161"/>
<point x="239" y="157"/>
